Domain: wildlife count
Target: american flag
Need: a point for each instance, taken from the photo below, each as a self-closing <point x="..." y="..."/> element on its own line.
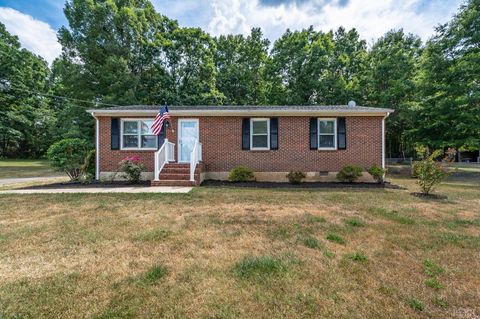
<point x="161" y="117"/>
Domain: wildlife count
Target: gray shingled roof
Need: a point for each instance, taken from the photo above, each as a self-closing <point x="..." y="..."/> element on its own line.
<point x="249" y="107"/>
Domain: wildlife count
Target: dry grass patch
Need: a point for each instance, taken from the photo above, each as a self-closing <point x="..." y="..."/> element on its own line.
<point x="241" y="253"/>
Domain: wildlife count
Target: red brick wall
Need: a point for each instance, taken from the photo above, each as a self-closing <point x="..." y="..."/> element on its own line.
<point x="109" y="158"/>
<point x="221" y="139"/>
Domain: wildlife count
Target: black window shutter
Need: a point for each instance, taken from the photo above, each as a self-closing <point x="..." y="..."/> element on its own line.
<point x="274" y="133"/>
<point x="115" y="133"/>
<point x="246" y="134"/>
<point x="313" y="133"/>
<point x="341" y="133"/>
<point x="162" y="136"/>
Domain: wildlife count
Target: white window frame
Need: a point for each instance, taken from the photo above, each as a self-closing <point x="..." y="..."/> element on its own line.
<point x="330" y="119"/>
<point x="262" y="119"/>
<point x="139" y="135"/>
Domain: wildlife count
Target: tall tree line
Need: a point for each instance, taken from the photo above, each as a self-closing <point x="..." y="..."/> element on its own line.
<point x="124" y="52"/>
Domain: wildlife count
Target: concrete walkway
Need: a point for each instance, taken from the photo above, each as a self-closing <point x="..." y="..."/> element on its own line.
<point x="93" y="190"/>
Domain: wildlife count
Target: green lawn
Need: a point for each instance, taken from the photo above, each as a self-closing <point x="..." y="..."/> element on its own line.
<point x="19" y="168"/>
<point x="242" y="253"/>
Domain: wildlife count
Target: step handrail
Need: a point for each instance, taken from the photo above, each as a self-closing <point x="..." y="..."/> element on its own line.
<point x="195" y="158"/>
<point x="165" y="154"/>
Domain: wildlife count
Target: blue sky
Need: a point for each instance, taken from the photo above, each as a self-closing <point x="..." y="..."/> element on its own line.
<point x="35" y="22"/>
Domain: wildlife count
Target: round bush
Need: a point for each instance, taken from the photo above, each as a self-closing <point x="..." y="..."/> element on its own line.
<point x="377" y="173"/>
<point x="241" y="174"/>
<point x="349" y="173"/>
<point x="68" y="156"/>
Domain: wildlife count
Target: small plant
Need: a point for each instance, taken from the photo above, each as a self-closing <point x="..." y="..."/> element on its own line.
<point x="311" y="242"/>
<point x="355" y="222"/>
<point x="132" y="169"/>
<point x="377" y="173"/>
<point x="154" y="274"/>
<point x="349" y="173"/>
<point x="335" y="238"/>
<point x="357" y="257"/>
<point x="296" y="177"/>
<point x="241" y="174"/>
<point x="68" y="156"/>
<point x="416" y="304"/>
<point x="429" y="172"/>
<point x="258" y="266"/>
<point x="433" y="283"/>
<point x="431" y="268"/>
<point x="328" y="254"/>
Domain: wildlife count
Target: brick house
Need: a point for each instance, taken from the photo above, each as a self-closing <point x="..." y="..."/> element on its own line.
<point x="206" y="142"/>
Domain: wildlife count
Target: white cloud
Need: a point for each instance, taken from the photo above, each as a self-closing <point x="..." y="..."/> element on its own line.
<point x="34" y="35"/>
<point x="371" y="18"/>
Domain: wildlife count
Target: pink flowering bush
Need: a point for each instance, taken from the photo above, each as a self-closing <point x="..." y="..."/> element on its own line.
<point x="132" y="169"/>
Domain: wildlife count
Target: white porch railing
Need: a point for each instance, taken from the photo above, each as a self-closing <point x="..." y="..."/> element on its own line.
<point x="165" y="154"/>
<point x="195" y="158"/>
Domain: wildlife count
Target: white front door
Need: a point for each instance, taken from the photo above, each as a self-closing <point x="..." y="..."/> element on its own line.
<point x="187" y="135"/>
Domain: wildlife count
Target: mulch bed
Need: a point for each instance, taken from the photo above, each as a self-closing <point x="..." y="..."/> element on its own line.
<point x="214" y="183"/>
<point x="115" y="184"/>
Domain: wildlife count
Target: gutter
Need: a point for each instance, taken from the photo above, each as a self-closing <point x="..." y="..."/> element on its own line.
<point x="153" y="113"/>
<point x="97" y="146"/>
<point x="383" y="140"/>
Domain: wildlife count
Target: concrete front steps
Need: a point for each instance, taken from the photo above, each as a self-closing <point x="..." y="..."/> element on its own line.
<point x="178" y="174"/>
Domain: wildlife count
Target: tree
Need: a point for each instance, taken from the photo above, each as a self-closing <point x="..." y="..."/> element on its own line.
<point x="389" y="81"/>
<point x="24" y="114"/>
<point x="240" y="63"/>
<point x="191" y="66"/>
<point x="449" y="109"/>
<point x="309" y="67"/>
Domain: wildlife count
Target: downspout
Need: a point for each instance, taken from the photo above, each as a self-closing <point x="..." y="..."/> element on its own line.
<point x="383" y="140"/>
<point x="97" y="147"/>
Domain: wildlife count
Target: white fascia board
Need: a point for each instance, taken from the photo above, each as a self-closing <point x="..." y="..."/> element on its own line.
<point x="107" y="112"/>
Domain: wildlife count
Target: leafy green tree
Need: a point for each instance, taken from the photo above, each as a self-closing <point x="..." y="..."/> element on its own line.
<point x="191" y="66"/>
<point x="309" y="67"/>
<point x="240" y="64"/>
<point x="449" y="109"/>
<point x="25" y="118"/>
<point x="389" y="81"/>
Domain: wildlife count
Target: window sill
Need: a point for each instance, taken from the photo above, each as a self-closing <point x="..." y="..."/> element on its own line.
<point x="265" y="150"/>
<point x="327" y="149"/>
<point x="138" y="149"/>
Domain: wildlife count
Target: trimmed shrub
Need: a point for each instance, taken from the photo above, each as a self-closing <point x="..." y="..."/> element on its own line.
<point x="69" y="156"/>
<point x="132" y="169"/>
<point x="349" y="173"/>
<point x="377" y="173"/>
<point x="241" y="174"/>
<point x="295" y="177"/>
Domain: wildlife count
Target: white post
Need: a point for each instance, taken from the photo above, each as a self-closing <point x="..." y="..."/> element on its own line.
<point x="155" y="169"/>
<point x="166" y="150"/>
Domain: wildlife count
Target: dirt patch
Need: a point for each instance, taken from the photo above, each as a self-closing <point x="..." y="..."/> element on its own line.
<point x="215" y="183"/>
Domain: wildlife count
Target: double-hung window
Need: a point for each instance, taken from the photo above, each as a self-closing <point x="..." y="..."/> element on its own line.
<point x="327" y="134"/>
<point x="260" y="134"/>
<point x="137" y="134"/>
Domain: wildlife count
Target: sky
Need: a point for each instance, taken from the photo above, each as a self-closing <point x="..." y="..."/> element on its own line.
<point x="36" y="22"/>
